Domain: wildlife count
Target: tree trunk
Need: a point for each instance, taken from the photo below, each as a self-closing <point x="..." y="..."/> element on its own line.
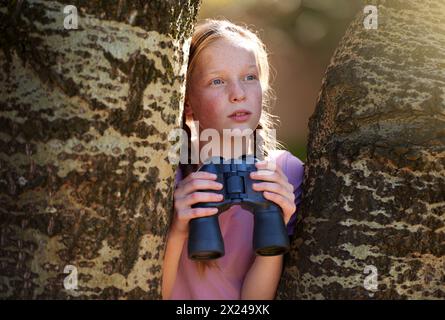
<point x="374" y="190"/>
<point x="85" y="180"/>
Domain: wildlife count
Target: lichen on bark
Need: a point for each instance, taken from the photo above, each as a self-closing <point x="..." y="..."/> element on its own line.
<point x="84" y="171"/>
<point x="374" y="186"/>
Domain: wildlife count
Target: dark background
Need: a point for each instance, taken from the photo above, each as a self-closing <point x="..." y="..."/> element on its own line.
<point x="301" y="36"/>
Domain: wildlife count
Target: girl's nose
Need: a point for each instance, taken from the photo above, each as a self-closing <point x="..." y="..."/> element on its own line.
<point x="237" y="92"/>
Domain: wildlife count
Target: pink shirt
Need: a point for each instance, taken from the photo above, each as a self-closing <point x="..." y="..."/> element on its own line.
<point x="236" y="224"/>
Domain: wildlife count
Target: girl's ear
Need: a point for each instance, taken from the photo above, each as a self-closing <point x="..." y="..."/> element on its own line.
<point x="188" y="109"/>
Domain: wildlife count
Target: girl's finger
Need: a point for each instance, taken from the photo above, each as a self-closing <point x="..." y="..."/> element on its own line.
<point x="271" y="166"/>
<point x="267" y="176"/>
<point x="267" y="164"/>
<point x="270" y="186"/>
<point x="197" y="175"/>
<point x="197" y="197"/>
<point x="282" y="189"/>
<point x="280" y="174"/>
<point x="266" y="167"/>
<point x="287" y="206"/>
<point x="193" y="213"/>
<point x="197" y="184"/>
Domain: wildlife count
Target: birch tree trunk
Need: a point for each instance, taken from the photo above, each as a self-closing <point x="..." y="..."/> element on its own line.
<point x="373" y="207"/>
<point x="85" y="180"/>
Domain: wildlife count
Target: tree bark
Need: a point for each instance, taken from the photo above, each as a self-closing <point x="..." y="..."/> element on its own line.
<point x="85" y="178"/>
<point x="374" y="187"/>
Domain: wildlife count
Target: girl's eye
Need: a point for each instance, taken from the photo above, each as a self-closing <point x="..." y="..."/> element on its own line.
<point x="251" y="77"/>
<point x="216" y="81"/>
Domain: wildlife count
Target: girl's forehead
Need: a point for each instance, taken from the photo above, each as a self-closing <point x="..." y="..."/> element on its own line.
<point x="232" y="51"/>
<point x="232" y="43"/>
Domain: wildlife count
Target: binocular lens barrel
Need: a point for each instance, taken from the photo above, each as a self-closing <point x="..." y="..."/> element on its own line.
<point x="205" y="239"/>
<point x="269" y="236"/>
<point x="269" y="233"/>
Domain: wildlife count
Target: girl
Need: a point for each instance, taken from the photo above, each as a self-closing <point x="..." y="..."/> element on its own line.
<point x="228" y="88"/>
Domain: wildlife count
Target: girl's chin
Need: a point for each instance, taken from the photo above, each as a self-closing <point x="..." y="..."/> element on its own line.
<point x="244" y="129"/>
<point x="240" y="125"/>
<point x="236" y="129"/>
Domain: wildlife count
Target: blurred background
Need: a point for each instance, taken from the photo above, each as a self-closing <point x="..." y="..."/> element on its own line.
<point x="301" y="36"/>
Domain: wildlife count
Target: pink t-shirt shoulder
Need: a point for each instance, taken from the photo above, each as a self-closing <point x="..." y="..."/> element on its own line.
<point x="236" y="224"/>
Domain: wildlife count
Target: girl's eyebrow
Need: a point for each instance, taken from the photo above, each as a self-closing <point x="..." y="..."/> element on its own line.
<point x="221" y="71"/>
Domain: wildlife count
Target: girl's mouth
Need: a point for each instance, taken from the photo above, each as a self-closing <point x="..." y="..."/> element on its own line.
<point x="240" y="116"/>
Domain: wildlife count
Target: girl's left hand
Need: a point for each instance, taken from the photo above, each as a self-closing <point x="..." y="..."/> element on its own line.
<point x="277" y="189"/>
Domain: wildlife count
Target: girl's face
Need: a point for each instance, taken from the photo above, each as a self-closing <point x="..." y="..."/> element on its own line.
<point x="225" y="80"/>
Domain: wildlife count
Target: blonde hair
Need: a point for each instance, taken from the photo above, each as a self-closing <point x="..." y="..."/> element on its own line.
<point x="206" y="32"/>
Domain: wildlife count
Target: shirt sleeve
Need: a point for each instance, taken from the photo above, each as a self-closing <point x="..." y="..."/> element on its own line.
<point x="294" y="170"/>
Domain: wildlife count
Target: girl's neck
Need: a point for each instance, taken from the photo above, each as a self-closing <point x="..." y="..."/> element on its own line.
<point x="228" y="148"/>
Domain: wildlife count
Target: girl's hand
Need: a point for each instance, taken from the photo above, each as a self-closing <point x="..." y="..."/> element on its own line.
<point x="278" y="189"/>
<point x="185" y="196"/>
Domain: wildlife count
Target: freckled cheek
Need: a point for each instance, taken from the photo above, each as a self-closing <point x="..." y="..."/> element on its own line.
<point x="256" y="98"/>
<point x="211" y="110"/>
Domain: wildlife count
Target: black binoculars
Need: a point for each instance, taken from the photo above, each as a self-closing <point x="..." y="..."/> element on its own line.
<point x="270" y="237"/>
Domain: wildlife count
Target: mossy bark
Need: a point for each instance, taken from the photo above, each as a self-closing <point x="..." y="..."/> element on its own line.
<point x="374" y="187"/>
<point x="85" y="178"/>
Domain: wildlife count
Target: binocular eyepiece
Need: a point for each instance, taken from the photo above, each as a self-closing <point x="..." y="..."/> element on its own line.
<point x="269" y="235"/>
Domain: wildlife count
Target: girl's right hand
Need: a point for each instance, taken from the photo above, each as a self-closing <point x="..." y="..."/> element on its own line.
<point x="185" y="196"/>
